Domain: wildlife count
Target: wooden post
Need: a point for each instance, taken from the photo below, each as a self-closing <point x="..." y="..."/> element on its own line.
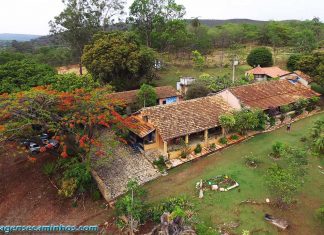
<point x="187" y="139"/>
<point x="165" y="148"/>
<point x="206" y="137"/>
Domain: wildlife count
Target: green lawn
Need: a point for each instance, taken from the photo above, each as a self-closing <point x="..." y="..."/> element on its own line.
<point x="171" y="75"/>
<point x="216" y="208"/>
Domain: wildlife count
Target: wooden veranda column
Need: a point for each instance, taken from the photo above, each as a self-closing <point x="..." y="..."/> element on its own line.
<point x="165" y="147"/>
<point x="206" y="137"/>
<point x="187" y="139"/>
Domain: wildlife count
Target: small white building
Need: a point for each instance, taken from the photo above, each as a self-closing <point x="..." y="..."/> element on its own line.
<point x="184" y="84"/>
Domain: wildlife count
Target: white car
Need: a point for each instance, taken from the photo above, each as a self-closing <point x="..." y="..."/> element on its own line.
<point x="33" y="147"/>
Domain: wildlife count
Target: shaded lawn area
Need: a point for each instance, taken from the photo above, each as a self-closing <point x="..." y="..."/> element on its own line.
<point x="217" y="208"/>
<point x="171" y="75"/>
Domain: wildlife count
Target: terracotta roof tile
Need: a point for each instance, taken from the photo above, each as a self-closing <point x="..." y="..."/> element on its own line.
<point x="130" y="96"/>
<point x="264" y="95"/>
<point x="138" y="126"/>
<point x="187" y="117"/>
<point x="272" y="72"/>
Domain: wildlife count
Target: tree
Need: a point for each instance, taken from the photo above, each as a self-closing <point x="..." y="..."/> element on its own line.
<point x="246" y="120"/>
<point x="22" y="75"/>
<point x="227" y="121"/>
<point x="305" y="41"/>
<point x="260" y="56"/>
<point x="132" y="205"/>
<point x="70" y="82"/>
<point x="282" y="183"/>
<point x="7" y="56"/>
<point x="148" y="15"/>
<point x="197" y="90"/>
<point x="74" y="118"/>
<point x="119" y="59"/>
<point x="146" y="96"/>
<point x="198" y="59"/>
<point x="317" y="137"/>
<point x="81" y="19"/>
<point x="292" y="63"/>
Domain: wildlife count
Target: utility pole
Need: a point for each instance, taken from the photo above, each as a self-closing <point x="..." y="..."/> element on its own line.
<point x="235" y="62"/>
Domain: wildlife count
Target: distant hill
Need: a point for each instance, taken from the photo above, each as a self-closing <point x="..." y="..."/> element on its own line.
<point x="17" y="37"/>
<point x="211" y="23"/>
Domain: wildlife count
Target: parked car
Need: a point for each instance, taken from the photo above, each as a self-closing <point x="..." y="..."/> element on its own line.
<point x="33" y="147"/>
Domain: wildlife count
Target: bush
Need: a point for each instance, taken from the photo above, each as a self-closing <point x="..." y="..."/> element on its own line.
<point x="260" y="56"/>
<point x="286" y="108"/>
<point x="212" y="146"/>
<point x="292" y="63"/>
<point x="278" y="150"/>
<point x="68" y="187"/>
<point x="320" y="214"/>
<point x="223" y="140"/>
<point x="49" y="168"/>
<point x="133" y="202"/>
<point x="176" y="205"/>
<point x="197" y="90"/>
<point x="95" y="195"/>
<point x="251" y="160"/>
<point x="160" y="163"/>
<point x="272" y="121"/>
<point x="234" y="137"/>
<point x="300" y="105"/>
<point x="312" y="102"/>
<point x="198" y="149"/>
<point x="317" y="88"/>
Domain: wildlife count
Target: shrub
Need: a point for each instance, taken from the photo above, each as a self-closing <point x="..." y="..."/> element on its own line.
<point x="283" y="184"/>
<point x="278" y="150"/>
<point x="133" y="202"/>
<point x="300" y="105"/>
<point x="312" y="102"/>
<point x="260" y="56"/>
<point x="292" y="63"/>
<point x="95" y="195"/>
<point x="251" y="161"/>
<point x="316" y="87"/>
<point x="197" y="90"/>
<point x="272" y="121"/>
<point x="282" y="117"/>
<point x="234" y="137"/>
<point x="49" y="168"/>
<point x="160" y="163"/>
<point x="212" y="146"/>
<point x="198" y="149"/>
<point x="170" y="205"/>
<point x="286" y="108"/>
<point x="223" y="140"/>
<point x="68" y="187"/>
<point x="320" y="214"/>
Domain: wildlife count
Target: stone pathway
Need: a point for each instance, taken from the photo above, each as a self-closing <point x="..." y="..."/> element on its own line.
<point x="113" y="172"/>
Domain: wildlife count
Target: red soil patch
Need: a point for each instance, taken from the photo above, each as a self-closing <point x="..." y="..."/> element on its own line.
<point x="28" y="198"/>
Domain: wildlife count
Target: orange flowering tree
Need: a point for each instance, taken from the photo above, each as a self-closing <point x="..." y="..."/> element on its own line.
<point x="75" y="118"/>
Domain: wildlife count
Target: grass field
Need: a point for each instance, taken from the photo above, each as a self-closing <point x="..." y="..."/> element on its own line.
<point x="217" y="208"/>
<point x="172" y="74"/>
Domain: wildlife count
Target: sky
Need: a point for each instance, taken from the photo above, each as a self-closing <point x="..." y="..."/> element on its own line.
<point x="32" y="16"/>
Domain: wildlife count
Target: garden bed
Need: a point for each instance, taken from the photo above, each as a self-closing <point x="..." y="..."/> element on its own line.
<point x="222" y="183"/>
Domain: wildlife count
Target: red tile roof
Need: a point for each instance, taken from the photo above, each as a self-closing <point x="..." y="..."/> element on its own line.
<point x="187" y="117"/>
<point x="272" y="72"/>
<point x="130" y="97"/>
<point x="138" y="126"/>
<point x="276" y="93"/>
